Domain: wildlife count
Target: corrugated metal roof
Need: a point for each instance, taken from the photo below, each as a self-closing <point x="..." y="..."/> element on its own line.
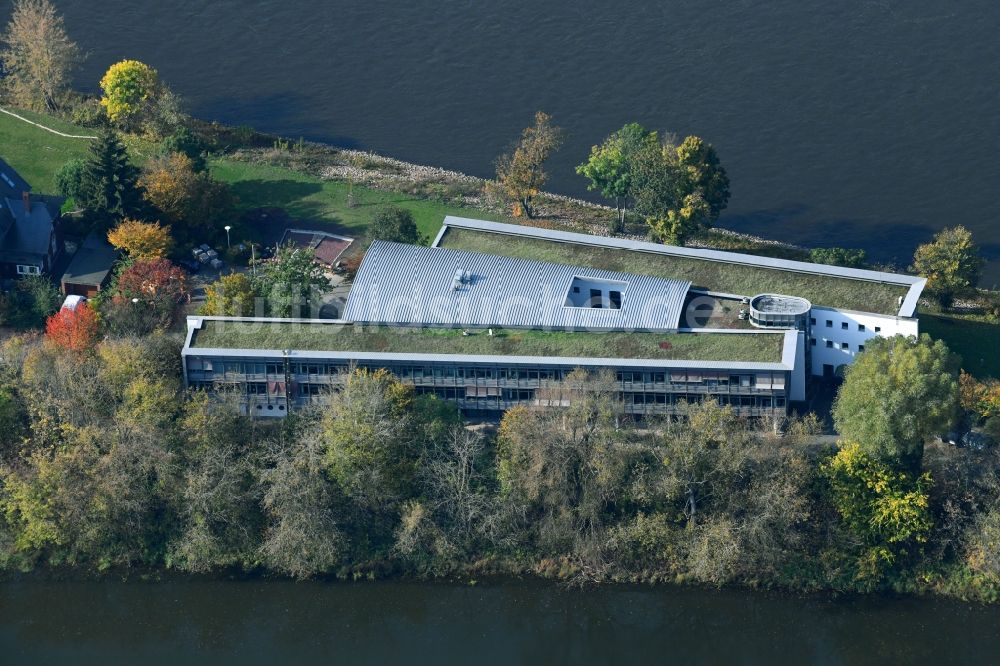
<point x="407" y="284"/>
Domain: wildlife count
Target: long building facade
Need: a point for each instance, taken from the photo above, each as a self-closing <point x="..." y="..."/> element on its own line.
<point x="274" y="382"/>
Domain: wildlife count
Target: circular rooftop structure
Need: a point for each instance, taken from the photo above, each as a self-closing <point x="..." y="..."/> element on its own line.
<point x="778" y="311"/>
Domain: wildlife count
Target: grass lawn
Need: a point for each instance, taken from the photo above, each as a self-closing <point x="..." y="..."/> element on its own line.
<point x="750" y="347"/>
<point x="36" y="154"/>
<point x="324" y="202"/>
<point x="713" y="275"/>
<point x="976" y="341"/>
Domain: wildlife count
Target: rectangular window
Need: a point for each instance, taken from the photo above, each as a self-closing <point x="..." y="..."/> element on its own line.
<point x="595" y="298"/>
<point x="861" y="348"/>
<point x="829" y="344"/>
<point x="844" y="345"/>
<point x="812" y="321"/>
<point x="843" y="325"/>
<point x="829" y="323"/>
<point x="861" y="328"/>
<point x="615" y="297"/>
<point x="28" y="270"/>
<point x="878" y="329"/>
<point x="812" y="341"/>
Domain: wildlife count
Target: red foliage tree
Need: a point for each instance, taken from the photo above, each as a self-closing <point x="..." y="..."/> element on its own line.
<point x="154" y="281"/>
<point x="73" y="329"/>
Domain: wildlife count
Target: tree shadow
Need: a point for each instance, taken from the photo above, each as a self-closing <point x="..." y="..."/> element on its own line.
<point x="270" y="193"/>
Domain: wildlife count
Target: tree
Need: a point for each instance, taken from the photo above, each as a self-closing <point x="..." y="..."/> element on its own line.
<point x="886" y="509"/>
<point x="396" y="224"/>
<point x="186" y="142"/>
<point x="130" y="89"/>
<point x="520" y="171"/>
<point x="109" y="187"/>
<point x="291" y="282"/>
<point x="233" y="295"/>
<point x="192" y="202"/>
<point x="141" y="240"/>
<point x="370" y="431"/>
<point x="609" y="168"/>
<point x="655" y="187"/>
<point x="32" y="300"/>
<point x="74" y="329"/>
<point x="148" y="295"/>
<point x="563" y="490"/>
<point x="39" y="56"/>
<point x="839" y="256"/>
<point x="303" y="536"/>
<point x="950" y="263"/>
<point x="69" y="178"/>
<point x="895" y="395"/>
<point x="703" y="175"/>
<point x="679" y="189"/>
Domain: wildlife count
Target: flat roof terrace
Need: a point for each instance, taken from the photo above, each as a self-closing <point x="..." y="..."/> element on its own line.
<point x="722" y="276"/>
<point x="234" y="334"/>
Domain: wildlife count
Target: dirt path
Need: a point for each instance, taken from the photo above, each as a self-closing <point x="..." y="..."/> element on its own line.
<point x="47" y="129"/>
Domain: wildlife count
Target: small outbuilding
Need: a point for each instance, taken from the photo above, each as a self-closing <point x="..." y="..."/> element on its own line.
<point x="90" y="268"/>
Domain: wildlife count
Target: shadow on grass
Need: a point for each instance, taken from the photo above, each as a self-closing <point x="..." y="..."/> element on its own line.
<point x="281" y="193"/>
<point x="974" y="341"/>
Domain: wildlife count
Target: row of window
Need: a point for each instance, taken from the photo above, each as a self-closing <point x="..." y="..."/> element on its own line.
<point x="830" y="344"/>
<point x="844" y="326"/>
<point x="710" y="378"/>
<point x="23" y="269"/>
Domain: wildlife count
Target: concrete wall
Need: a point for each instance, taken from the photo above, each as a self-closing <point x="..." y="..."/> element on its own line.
<point x="852" y="335"/>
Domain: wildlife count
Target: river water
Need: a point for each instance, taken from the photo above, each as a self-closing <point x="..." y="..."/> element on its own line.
<point x="516" y="623"/>
<point x="867" y="123"/>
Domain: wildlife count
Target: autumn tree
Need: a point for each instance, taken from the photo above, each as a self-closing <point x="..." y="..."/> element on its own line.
<point x="291" y="282"/>
<point x="609" y="167"/>
<point x="233" y="295"/>
<point x="702" y="176"/>
<point x="38" y="57"/>
<point x="885" y="509"/>
<point x="951" y="263"/>
<point x="75" y="328"/>
<point x="186" y="142"/>
<point x="147" y="297"/>
<point x="141" y="240"/>
<point x="130" y="89"/>
<point x="521" y="170"/>
<point x="895" y="395"/>
<point x="192" y="202"/>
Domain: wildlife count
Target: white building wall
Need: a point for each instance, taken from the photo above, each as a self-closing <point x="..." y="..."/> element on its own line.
<point x="852" y="329"/>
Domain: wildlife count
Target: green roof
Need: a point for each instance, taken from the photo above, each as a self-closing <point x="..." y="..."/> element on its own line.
<point x="731" y="278"/>
<point x="304" y="336"/>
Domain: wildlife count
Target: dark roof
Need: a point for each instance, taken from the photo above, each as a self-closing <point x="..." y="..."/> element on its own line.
<point x="92" y="263"/>
<point x="27" y="234"/>
<point x="326" y="247"/>
<point x="11" y="184"/>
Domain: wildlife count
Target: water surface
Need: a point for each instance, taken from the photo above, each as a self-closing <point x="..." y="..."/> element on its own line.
<point x="104" y="623"/>
<point x="867" y="123"/>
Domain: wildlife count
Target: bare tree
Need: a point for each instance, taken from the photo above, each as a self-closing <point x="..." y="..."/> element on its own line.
<point x="38" y="56"/>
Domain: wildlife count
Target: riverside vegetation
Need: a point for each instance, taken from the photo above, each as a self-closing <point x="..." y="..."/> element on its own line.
<point x="107" y="463"/>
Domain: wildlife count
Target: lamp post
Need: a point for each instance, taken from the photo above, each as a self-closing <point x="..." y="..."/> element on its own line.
<point x="227" y="235"/>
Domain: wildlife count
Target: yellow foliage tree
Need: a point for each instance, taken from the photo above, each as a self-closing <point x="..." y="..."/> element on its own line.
<point x="141" y="240"/>
<point x="187" y="199"/>
<point x="231" y="295"/>
<point x="520" y="172"/>
<point x="130" y="87"/>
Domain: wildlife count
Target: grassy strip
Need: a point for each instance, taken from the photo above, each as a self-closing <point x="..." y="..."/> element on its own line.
<point x="976" y="341"/>
<point x="751" y="347"/>
<point x="717" y="276"/>
<point x="306" y="197"/>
